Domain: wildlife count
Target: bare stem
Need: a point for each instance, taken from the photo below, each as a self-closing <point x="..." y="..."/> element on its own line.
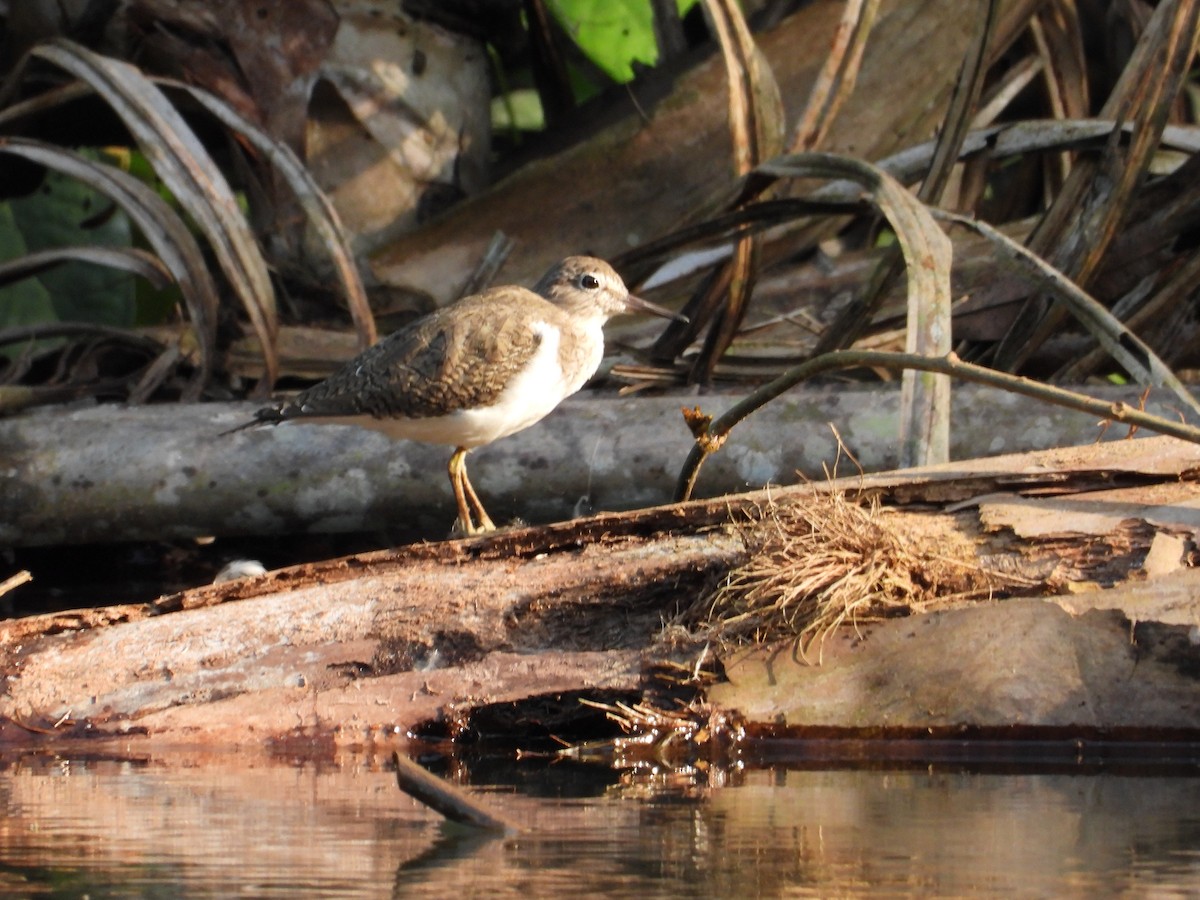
<point x="712" y="438"/>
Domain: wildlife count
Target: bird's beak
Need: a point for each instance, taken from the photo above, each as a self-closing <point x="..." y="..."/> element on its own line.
<point x="635" y="304"/>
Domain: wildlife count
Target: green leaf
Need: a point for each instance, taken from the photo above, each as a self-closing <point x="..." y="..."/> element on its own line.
<point x="612" y="33"/>
<point x="26" y="302"/>
<point x="62" y="213"/>
<point x="520" y="109"/>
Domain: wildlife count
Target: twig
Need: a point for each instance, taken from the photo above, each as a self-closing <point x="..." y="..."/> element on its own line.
<point x="711" y="438"/>
<point x="1126" y="348"/>
<point x="498" y="250"/>
<point x="15" y="581"/>
<point x="444" y="798"/>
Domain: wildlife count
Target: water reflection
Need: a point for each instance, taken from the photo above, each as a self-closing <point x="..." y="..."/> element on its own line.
<point x="213" y="827"/>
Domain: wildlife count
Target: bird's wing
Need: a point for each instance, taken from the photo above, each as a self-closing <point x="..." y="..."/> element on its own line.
<point x="456" y="358"/>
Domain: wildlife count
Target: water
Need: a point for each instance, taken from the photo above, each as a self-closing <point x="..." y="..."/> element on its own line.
<point x="207" y="826"/>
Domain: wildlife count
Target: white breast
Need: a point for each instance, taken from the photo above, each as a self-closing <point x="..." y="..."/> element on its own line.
<point x="528" y="398"/>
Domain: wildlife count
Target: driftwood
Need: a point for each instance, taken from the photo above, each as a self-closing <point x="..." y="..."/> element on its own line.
<point x="146" y="473"/>
<point x="359" y="649"/>
<point x="448" y="799"/>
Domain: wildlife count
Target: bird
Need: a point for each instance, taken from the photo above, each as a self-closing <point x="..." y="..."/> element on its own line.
<point x="480" y="369"/>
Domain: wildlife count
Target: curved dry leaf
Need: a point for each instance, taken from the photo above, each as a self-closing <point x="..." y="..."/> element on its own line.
<point x="180" y="159"/>
<point x="321" y="213"/>
<point x="1016" y="138"/>
<point x="1125" y="347"/>
<point x="925" y="432"/>
<point x="127" y="259"/>
<point x="158" y="223"/>
<point x="928" y="253"/>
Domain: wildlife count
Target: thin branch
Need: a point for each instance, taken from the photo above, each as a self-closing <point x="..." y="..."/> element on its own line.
<point x="710" y="436"/>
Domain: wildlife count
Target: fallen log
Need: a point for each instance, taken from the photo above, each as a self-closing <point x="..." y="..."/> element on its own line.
<point x="358" y="649"/>
<point x="111" y="473"/>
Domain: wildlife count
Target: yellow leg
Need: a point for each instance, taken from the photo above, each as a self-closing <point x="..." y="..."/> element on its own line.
<point x="481" y="516"/>
<point x="470" y="509"/>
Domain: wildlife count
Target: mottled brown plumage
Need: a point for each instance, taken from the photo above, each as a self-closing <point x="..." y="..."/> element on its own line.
<point x="456" y="358"/>
<point x="485" y="367"/>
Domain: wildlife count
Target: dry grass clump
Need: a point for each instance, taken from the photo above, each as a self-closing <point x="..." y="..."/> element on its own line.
<point x="827" y="561"/>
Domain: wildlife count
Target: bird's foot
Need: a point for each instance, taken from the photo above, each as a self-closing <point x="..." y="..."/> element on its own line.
<point x="470" y="529"/>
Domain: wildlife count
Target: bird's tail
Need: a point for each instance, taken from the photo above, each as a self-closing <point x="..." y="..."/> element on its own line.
<point x="268" y="416"/>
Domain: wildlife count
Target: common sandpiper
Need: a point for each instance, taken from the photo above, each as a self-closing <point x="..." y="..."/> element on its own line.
<point x="478" y="370"/>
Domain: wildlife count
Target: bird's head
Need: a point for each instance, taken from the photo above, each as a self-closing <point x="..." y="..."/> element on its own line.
<point x="584" y="285"/>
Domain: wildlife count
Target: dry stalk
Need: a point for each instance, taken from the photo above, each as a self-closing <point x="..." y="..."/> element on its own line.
<point x="825" y="562"/>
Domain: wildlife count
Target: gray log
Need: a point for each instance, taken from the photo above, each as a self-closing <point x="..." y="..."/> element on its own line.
<point x="116" y="473"/>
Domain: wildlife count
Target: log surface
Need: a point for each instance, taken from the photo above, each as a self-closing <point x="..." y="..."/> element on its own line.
<point x="357" y="648"/>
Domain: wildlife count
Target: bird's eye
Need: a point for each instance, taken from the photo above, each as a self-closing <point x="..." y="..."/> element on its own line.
<point x="589" y="282"/>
